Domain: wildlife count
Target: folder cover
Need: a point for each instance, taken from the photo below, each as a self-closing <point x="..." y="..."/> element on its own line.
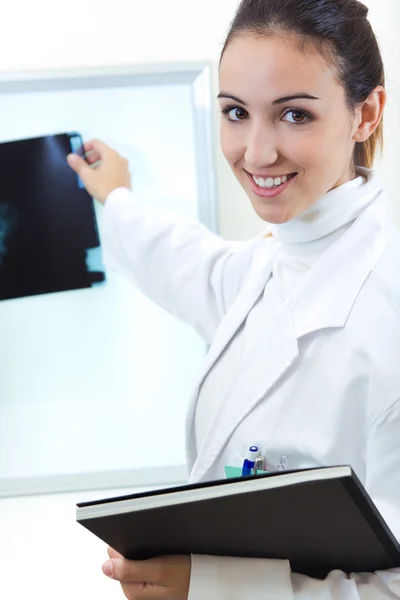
<point x="320" y="519"/>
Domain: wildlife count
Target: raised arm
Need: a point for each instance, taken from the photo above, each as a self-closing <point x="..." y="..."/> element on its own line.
<point x="179" y="264"/>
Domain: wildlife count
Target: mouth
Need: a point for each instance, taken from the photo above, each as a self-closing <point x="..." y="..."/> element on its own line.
<point x="268" y="187"/>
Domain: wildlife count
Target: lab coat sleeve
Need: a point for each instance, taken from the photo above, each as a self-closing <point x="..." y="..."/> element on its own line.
<point x="231" y="578"/>
<point x="179" y="264"/>
<point x="255" y="579"/>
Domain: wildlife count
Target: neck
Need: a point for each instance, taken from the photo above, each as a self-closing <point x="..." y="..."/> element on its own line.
<point x="337" y="209"/>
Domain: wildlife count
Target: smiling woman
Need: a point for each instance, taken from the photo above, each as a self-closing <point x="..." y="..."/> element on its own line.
<point x="304" y="324"/>
<point x="303" y="108"/>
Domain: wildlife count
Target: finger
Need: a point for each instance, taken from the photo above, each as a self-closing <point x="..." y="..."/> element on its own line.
<point x="133" y="571"/>
<point x="143" y="591"/>
<point x="113" y="553"/>
<point x="88" y="146"/>
<point x="92" y="157"/>
<point x="77" y="164"/>
<point x="100" y="147"/>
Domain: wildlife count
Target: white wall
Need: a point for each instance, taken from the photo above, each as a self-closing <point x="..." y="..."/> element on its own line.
<point x="42" y="553"/>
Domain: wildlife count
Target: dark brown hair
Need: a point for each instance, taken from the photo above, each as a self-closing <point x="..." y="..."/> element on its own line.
<point x="340" y="31"/>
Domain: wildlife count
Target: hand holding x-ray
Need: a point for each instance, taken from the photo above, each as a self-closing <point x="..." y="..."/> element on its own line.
<point x="103" y="171"/>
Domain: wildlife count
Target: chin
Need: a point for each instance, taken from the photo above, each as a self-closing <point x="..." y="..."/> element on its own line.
<point x="275" y="217"/>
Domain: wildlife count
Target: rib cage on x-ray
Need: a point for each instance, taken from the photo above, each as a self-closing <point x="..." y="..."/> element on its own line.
<point x="48" y="235"/>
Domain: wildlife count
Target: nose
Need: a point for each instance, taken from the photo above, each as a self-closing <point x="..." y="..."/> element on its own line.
<point x="261" y="148"/>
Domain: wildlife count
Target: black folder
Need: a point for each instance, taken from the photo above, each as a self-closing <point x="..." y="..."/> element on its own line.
<point x="320" y="519"/>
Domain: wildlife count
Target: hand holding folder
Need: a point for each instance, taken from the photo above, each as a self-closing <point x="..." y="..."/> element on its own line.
<point x="168" y="574"/>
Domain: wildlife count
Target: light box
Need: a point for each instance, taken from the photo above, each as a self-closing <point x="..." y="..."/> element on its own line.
<point x="92" y="378"/>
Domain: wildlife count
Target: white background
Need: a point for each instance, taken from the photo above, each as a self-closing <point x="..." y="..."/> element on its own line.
<point x="42" y="553"/>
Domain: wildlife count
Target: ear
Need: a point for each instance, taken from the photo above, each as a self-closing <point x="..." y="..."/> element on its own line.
<point x="370" y="114"/>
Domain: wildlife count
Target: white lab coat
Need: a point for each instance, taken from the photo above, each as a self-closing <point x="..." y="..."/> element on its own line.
<point x="323" y="387"/>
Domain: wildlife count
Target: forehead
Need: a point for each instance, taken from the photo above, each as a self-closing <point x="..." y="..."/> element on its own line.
<point x="271" y="66"/>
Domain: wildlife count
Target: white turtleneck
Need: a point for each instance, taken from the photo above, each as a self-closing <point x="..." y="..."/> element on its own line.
<point x="303" y="241"/>
<point x="307" y="236"/>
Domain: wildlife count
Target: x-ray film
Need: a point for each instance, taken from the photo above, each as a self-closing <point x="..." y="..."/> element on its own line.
<point x="49" y="240"/>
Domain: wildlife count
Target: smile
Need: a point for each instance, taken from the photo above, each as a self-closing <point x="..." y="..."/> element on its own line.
<point x="270" y="186"/>
<point x="271" y="182"/>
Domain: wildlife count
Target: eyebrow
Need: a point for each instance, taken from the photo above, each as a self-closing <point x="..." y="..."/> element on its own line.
<point x="297" y="96"/>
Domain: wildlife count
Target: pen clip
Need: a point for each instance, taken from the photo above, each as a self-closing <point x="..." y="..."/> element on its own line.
<point x="283" y="463"/>
<point x="259" y="464"/>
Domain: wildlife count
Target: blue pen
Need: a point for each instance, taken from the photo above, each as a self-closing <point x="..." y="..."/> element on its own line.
<point x="249" y="461"/>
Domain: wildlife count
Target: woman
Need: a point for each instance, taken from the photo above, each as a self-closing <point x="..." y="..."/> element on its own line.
<point x="304" y="322"/>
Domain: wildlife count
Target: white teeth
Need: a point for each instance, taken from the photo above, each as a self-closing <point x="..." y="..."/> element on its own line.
<point x="270" y="181"/>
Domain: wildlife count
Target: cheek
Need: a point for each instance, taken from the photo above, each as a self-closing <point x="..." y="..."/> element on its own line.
<point x="333" y="141"/>
<point x="313" y="149"/>
<point x="307" y="147"/>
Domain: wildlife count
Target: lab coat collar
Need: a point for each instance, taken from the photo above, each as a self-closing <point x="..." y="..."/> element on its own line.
<point x="260" y="272"/>
<point x="327" y="293"/>
<point x="323" y="300"/>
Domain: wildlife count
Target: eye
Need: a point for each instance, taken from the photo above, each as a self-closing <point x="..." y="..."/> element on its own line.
<point x="234" y="113"/>
<point x="300" y="117"/>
